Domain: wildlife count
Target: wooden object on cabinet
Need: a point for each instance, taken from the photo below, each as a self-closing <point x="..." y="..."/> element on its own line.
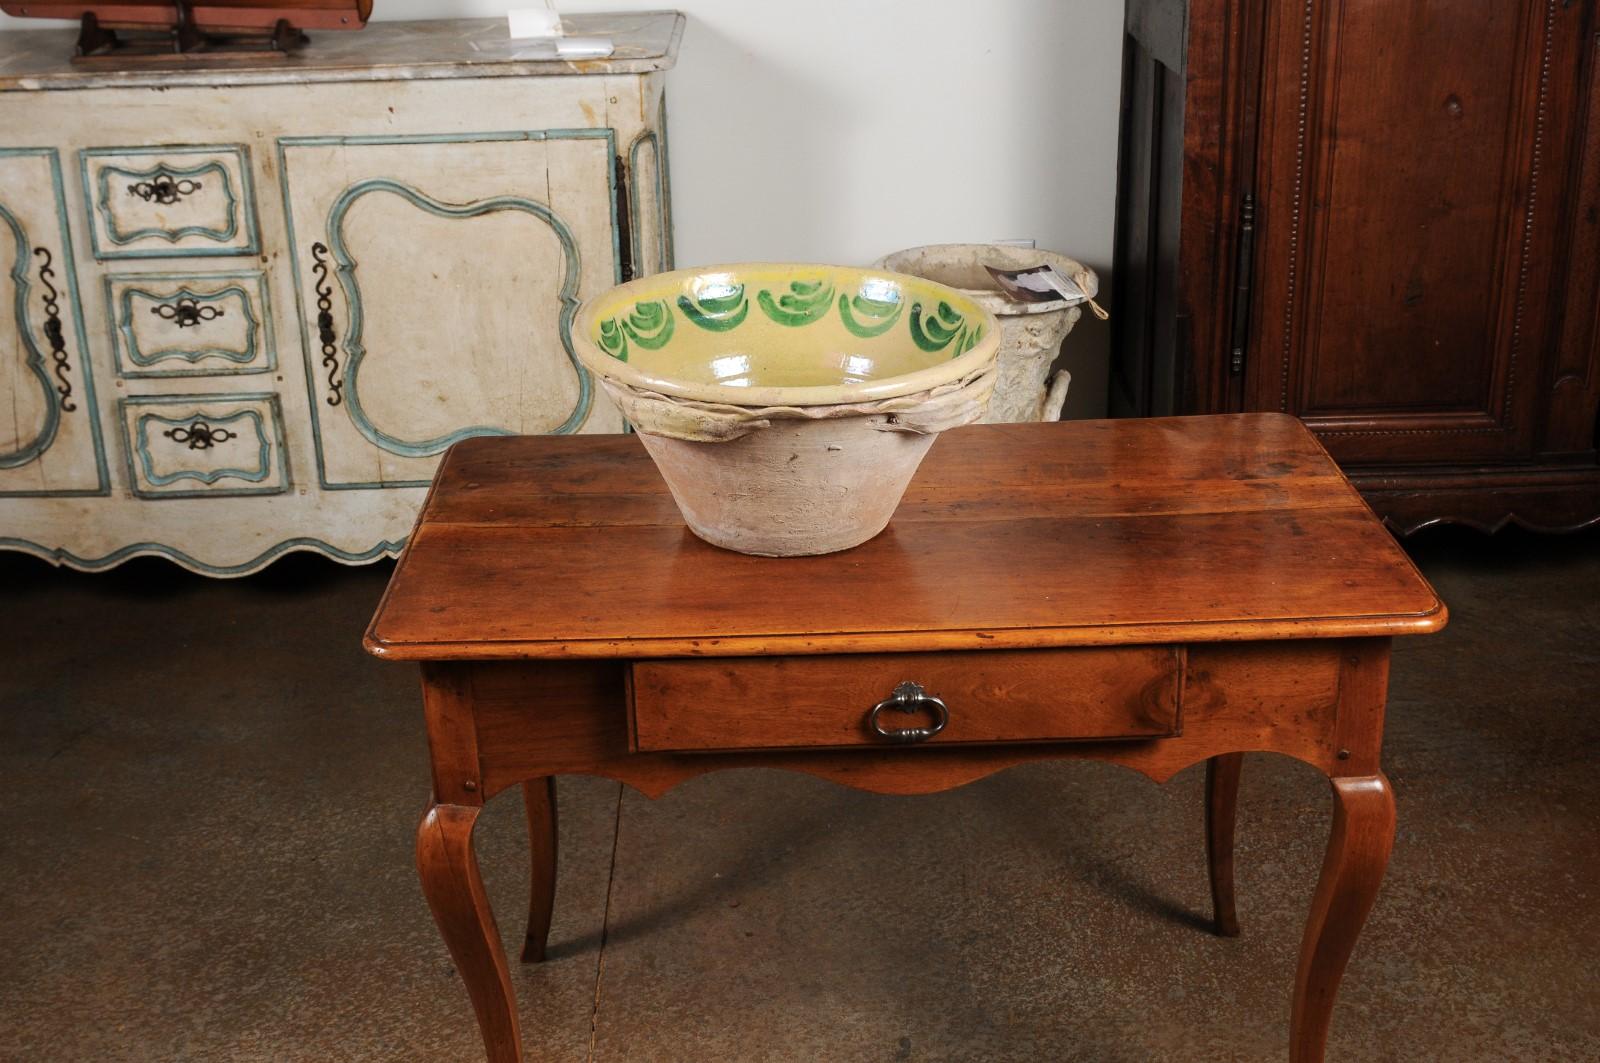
<point x="1217" y="575"/>
<point x="1383" y="219"/>
<point x="258" y="304"/>
<point x="206" y="15"/>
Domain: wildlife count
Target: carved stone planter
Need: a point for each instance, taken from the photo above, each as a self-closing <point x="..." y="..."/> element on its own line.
<point x="1030" y="333"/>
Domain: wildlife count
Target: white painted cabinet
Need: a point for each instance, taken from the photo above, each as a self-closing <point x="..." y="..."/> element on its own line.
<point x="245" y="312"/>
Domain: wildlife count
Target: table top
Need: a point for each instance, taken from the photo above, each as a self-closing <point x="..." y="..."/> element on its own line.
<point x="1025" y="535"/>
<point x="383" y="51"/>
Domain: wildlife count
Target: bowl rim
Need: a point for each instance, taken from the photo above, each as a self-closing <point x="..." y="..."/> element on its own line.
<point x="606" y="367"/>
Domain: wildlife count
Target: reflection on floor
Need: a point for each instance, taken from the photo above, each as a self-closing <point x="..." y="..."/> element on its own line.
<point x="211" y="793"/>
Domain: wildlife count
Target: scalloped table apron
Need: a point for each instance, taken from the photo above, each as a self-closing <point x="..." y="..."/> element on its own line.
<point x="1150" y="593"/>
<point x="244" y="311"/>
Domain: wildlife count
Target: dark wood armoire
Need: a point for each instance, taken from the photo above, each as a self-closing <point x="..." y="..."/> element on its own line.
<point x="1384" y="218"/>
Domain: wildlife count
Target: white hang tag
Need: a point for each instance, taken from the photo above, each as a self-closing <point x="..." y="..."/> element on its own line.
<point x="1043" y="284"/>
<point x="533" y="23"/>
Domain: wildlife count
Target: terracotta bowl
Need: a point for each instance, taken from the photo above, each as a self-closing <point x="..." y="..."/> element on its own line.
<point x="787" y="406"/>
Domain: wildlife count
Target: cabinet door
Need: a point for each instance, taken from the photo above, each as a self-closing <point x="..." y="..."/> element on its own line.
<point x="437" y="278"/>
<point x="1413" y="165"/>
<point x="49" y="428"/>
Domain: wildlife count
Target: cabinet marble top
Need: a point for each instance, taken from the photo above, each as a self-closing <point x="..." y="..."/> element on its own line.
<point x="383" y="51"/>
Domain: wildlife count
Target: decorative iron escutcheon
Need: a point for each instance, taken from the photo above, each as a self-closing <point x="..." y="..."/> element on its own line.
<point x="165" y="189"/>
<point x="909" y="698"/>
<point x="53" y="332"/>
<point x="326" y="337"/>
<point x="186" y="312"/>
<point x="199" y="435"/>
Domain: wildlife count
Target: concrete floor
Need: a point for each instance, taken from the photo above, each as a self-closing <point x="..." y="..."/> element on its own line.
<point x="210" y="794"/>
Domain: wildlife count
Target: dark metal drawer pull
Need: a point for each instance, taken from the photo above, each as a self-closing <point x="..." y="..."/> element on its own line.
<point x="909" y="698"/>
<point x="186" y="312"/>
<point x="165" y="189"/>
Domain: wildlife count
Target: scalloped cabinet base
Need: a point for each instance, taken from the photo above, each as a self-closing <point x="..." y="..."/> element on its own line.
<point x="243" y="313"/>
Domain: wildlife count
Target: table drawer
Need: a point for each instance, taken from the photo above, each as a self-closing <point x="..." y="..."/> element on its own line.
<point x="828" y="702"/>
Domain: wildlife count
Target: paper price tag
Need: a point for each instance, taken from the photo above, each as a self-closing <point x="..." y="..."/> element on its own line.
<point x="1043" y="284"/>
<point x="530" y="23"/>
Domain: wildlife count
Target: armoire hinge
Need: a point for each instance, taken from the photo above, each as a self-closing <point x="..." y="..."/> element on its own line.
<point x="1244" y="262"/>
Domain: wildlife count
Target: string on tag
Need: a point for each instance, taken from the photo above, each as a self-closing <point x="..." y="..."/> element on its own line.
<point x="1080" y="279"/>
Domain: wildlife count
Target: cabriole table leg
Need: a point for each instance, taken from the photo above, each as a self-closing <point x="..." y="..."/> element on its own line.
<point x="1222" y="803"/>
<point x="539" y="797"/>
<point x="454" y="888"/>
<point x="1358" y="853"/>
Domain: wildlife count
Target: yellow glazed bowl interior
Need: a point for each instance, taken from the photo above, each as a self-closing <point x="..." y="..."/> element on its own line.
<point x="774" y="334"/>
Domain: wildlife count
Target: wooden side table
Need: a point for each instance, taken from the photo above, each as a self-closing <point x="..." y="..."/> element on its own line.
<point x="1149" y="593"/>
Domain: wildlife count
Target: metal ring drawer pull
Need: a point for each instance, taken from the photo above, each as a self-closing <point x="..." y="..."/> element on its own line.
<point x="908" y="698"/>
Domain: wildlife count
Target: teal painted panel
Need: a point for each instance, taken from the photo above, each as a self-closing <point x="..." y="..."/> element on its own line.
<point x="355" y="353"/>
<point x="33" y="358"/>
<point x="199" y="425"/>
<point x="201" y="166"/>
<point x="657" y="143"/>
<point x="326" y="380"/>
<point x="109" y="176"/>
<point x="668" y="237"/>
<point x="71" y="393"/>
<point x="202" y="425"/>
<point x="210" y="297"/>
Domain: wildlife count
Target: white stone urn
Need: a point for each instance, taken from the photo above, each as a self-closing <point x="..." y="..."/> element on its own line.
<point x="1030" y="333"/>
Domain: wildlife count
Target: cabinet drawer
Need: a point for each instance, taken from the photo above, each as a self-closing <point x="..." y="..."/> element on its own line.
<point x="828" y="702"/>
<point x="190" y="324"/>
<point x="190" y="446"/>
<point x="176" y="202"/>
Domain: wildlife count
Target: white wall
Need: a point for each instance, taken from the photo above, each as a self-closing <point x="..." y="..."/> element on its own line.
<point x="838" y="130"/>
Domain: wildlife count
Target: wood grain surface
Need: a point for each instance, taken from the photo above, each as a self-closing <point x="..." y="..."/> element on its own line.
<point x="1011" y="536"/>
<point x="822" y="702"/>
<point x="1305" y="225"/>
<point x="536" y="718"/>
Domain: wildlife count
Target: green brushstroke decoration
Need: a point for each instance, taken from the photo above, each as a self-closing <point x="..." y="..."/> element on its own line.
<point x="805" y="302"/>
<point x="612" y="341"/>
<point x="867" y="318"/>
<point x="649" y="325"/>
<point x="719" y="314"/>
<point x="936" y="331"/>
